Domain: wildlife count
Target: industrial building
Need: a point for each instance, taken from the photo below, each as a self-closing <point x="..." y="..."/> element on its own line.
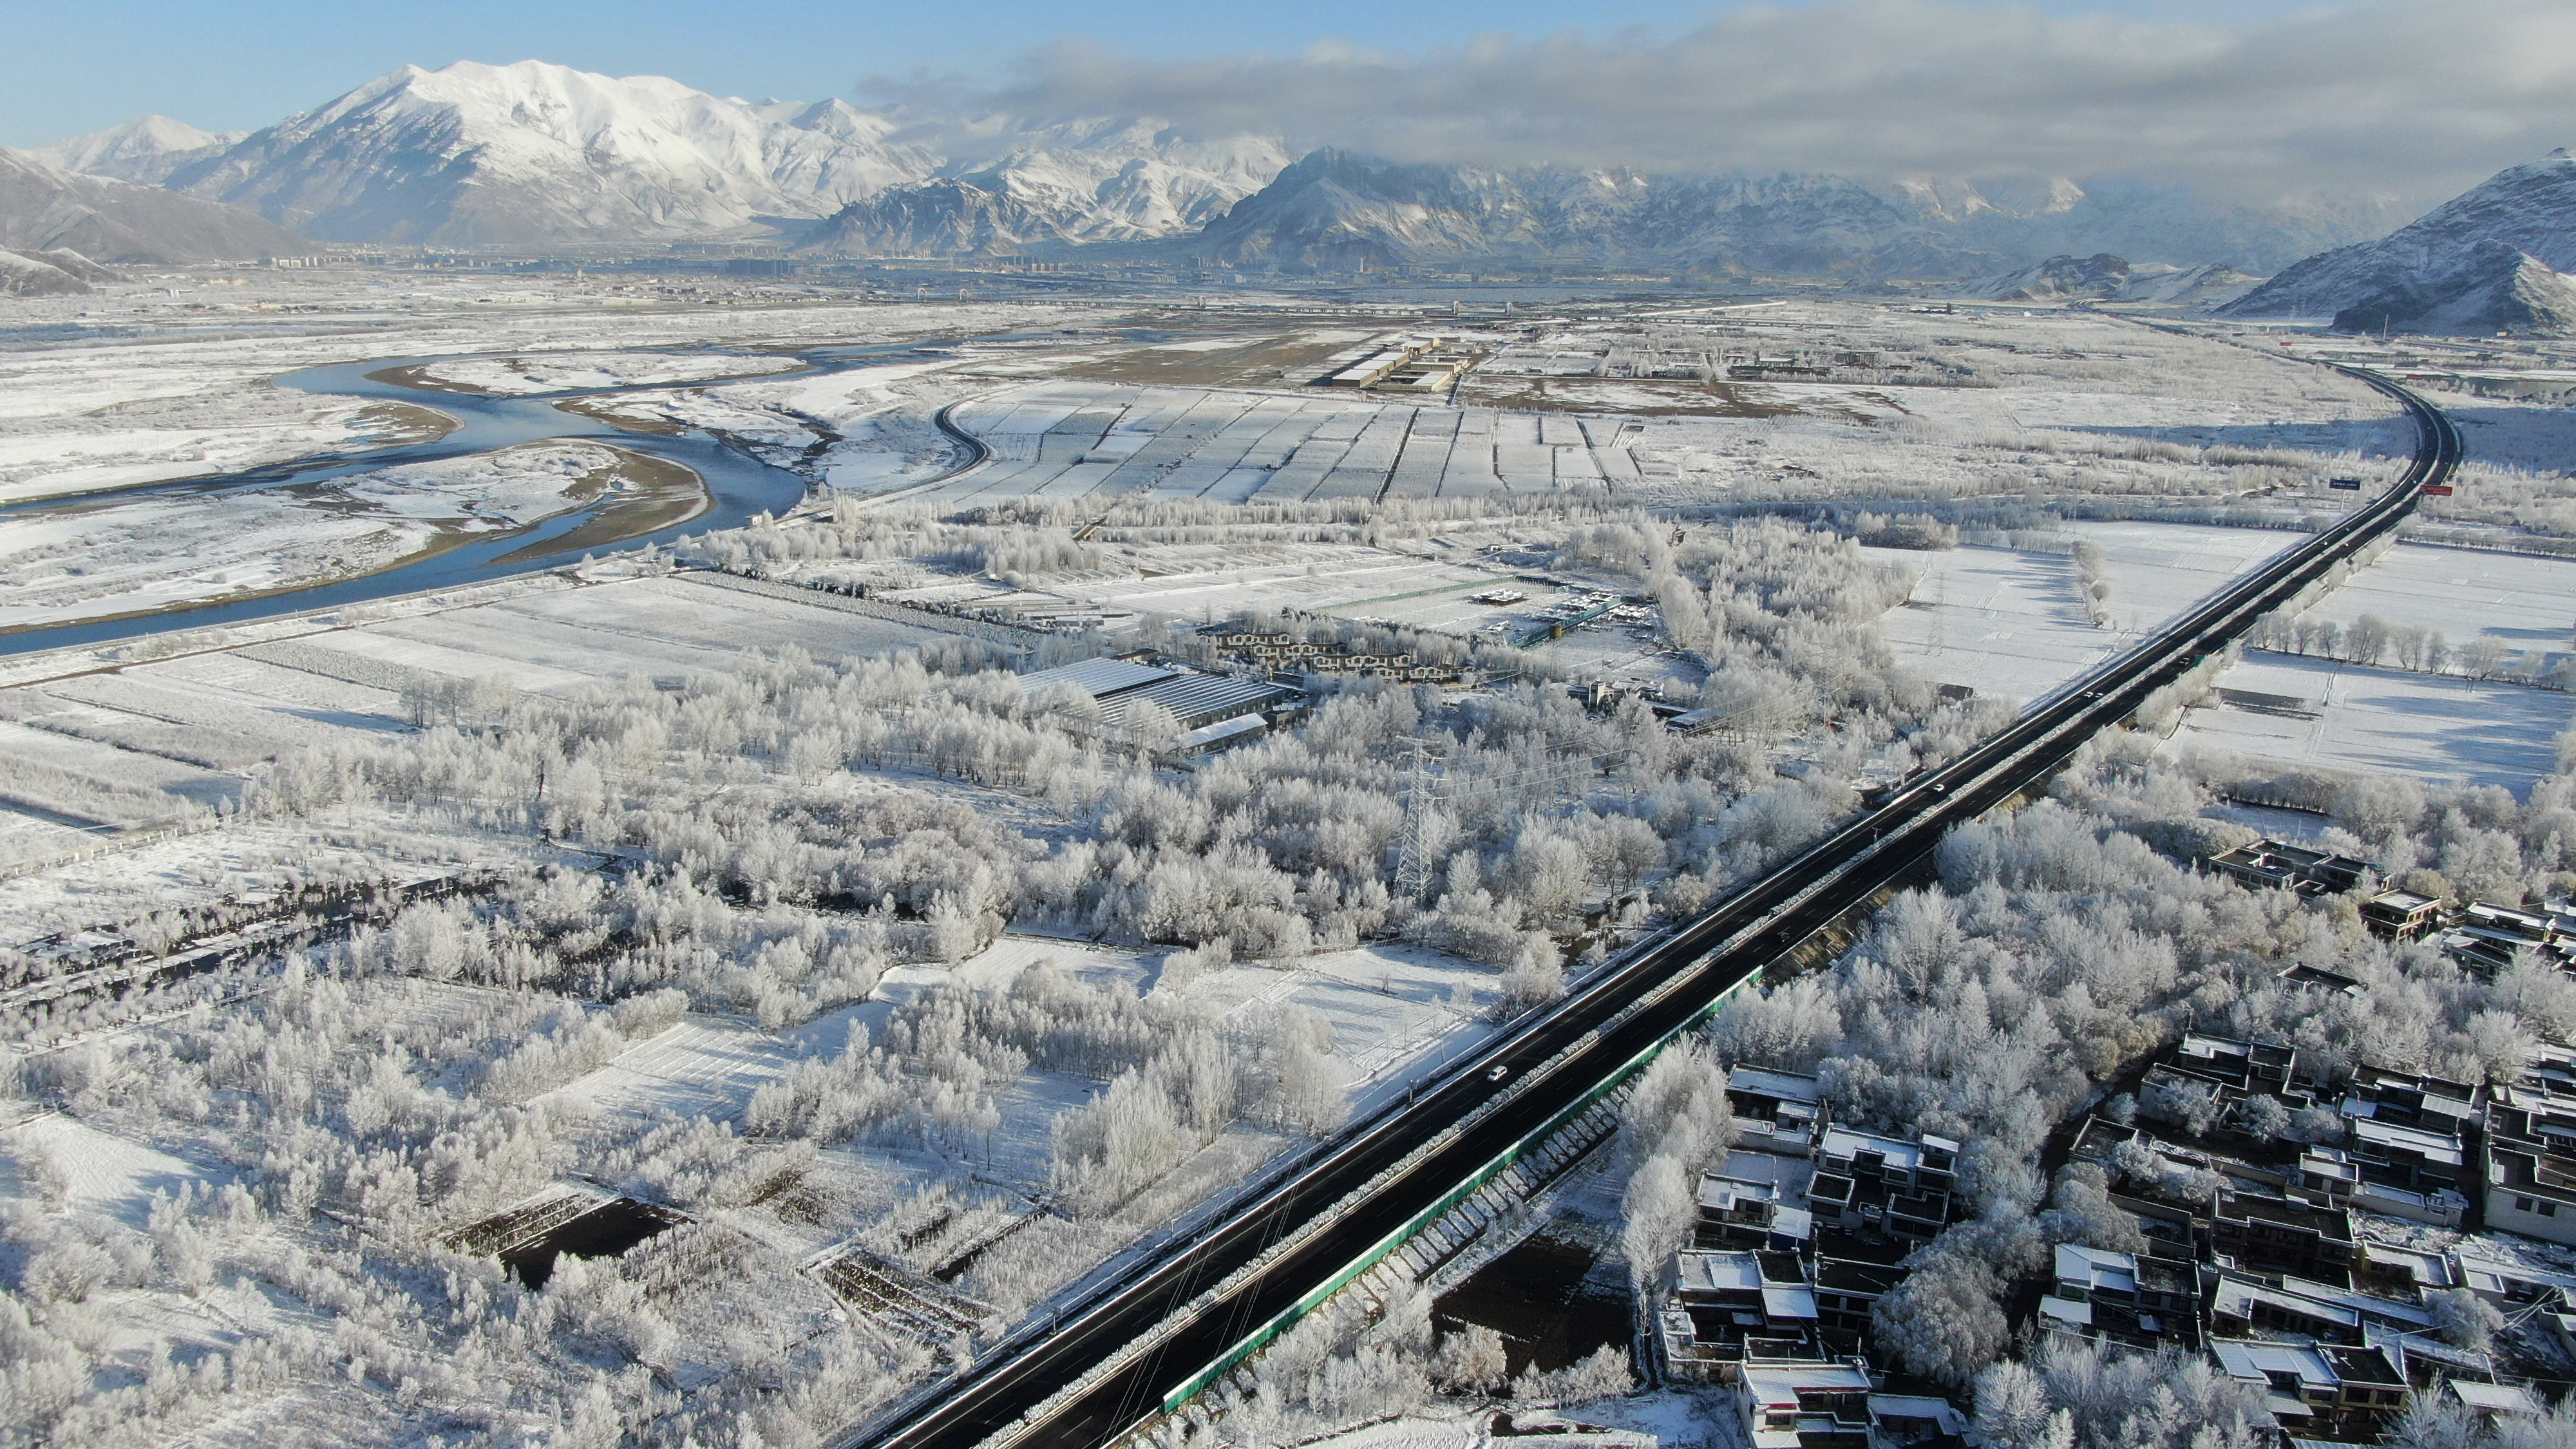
<point x="1213" y="710"/>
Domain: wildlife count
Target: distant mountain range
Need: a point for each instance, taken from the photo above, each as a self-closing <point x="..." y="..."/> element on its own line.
<point x="533" y="155"/>
<point x="530" y="153"/>
<point x="1339" y="211"/>
<point x="2488" y="260"/>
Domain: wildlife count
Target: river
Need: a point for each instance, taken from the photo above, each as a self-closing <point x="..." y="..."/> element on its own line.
<point x="738" y="487"/>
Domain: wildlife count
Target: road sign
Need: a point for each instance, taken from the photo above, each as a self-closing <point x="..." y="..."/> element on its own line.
<point x="2349" y="485"/>
<point x="2437" y="490"/>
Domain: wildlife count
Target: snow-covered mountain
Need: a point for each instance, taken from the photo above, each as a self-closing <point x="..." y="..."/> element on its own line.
<point x="2493" y="287"/>
<point x="531" y="152"/>
<point x="1044" y="185"/>
<point x="1336" y="210"/>
<point x="1339" y="211"/>
<point x="2449" y="269"/>
<point x="146" y="149"/>
<point x="2104" y="277"/>
<point x="936" y="218"/>
<point x="1113" y="180"/>
<point x="115" y="221"/>
<point x="2100" y="275"/>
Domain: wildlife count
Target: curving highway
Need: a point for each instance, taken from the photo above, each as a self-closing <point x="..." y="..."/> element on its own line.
<point x="1203" y="1300"/>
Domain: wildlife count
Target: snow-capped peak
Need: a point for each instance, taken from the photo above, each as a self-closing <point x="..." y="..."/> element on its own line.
<point x="1115" y="179"/>
<point x="145" y="149"/>
<point x="474" y="152"/>
<point x="533" y="151"/>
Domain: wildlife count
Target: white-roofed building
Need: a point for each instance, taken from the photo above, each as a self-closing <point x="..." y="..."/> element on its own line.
<point x="1099" y="678"/>
<point x="1805" y="1403"/>
<point x="1133" y="699"/>
<point x="2494" y="1401"/>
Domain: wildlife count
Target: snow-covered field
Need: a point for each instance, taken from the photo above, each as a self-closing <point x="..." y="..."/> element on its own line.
<point x="2522" y="602"/>
<point x="2153" y="403"/>
<point x="1396" y="1013"/>
<point x="103" y="1173"/>
<point x="766" y="871"/>
<point x="1188" y="581"/>
<point x="666" y="627"/>
<point x="235" y="859"/>
<point x="1999" y="621"/>
<point x="2010" y="622"/>
<point x="2385" y="722"/>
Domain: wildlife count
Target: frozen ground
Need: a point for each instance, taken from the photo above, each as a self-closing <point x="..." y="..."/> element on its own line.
<point x="1999" y="621"/>
<point x="2382" y="721"/>
<point x="197" y="722"/>
<point x="238" y="859"/>
<point x="1084" y="440"/>
<point x="2010" y="622"/>
<point x="2070" y="403"/>
<point x="2158" y="570"/>
<point x="1193" y="581"/>
<point x="1638" y="1422"/>
<point x="165" y="385"/>
<point x="100" y="1172"/>
<point x="542" y="372"/>
<point x="668" y="627"/>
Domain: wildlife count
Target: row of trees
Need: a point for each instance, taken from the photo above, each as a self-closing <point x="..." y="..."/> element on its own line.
<point x="2422" y="648"/>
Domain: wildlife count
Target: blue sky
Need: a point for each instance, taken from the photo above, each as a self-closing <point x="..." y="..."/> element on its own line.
<point x="77" y="66"/>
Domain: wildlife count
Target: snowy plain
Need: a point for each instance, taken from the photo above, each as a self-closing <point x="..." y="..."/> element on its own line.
<point x="198" y="725"/>
<point x="2370" y="721"/>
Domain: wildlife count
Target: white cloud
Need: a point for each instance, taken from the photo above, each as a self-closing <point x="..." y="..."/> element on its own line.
<point x="2413" y="98"/>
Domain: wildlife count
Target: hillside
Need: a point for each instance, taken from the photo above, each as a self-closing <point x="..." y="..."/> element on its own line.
<point x="2104" y="277"/>
<point x="114" y="221"/>
<point x="2451" y="269"/>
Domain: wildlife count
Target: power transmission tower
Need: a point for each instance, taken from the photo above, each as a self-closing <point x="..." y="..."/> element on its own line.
<point x="1413" y="846"/>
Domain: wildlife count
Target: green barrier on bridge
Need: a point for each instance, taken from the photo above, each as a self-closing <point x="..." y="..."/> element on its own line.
<point x="1377" y="1252"/>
